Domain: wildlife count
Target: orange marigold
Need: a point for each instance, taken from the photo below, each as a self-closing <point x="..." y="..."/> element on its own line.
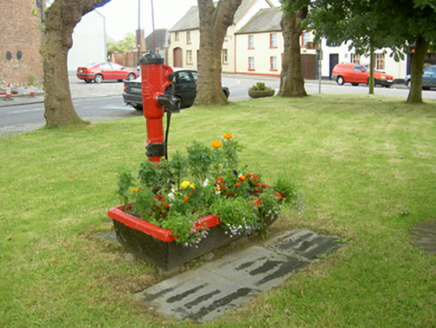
<point x="228" y="136"/>
<point x="216" y="144"/>
<point x="242" y="178"/>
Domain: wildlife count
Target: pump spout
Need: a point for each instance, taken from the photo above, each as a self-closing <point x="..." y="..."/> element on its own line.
<point x="170" y="103"/>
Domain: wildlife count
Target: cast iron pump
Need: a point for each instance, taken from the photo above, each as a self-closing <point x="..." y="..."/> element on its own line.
<point x="157" y="98"/>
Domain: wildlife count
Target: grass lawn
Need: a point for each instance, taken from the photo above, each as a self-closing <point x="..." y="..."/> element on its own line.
<point x="367" y="168"/>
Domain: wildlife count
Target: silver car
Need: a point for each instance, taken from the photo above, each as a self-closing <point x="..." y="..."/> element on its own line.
<point x="428" y="77"/>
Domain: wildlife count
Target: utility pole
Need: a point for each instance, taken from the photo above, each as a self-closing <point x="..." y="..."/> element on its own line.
<point x="138" y="32"/>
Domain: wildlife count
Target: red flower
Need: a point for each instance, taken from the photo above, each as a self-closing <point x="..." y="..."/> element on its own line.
<point x="257" y="202"/>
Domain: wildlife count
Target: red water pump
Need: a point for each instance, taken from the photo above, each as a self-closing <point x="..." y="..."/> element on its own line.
<point x="157" y="98"/>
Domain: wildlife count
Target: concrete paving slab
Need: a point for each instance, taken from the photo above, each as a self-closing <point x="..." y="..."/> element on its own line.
<point x="208" y="292"/>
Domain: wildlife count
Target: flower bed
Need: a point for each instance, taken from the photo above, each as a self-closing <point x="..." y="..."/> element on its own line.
<point x="180" y="204"/>
<point x="260" y="90"/>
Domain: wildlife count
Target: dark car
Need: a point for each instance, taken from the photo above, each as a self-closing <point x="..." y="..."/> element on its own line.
<point x="185" y="89"/>
<point x="428" y="77"/>
<point x="106" y="71"/>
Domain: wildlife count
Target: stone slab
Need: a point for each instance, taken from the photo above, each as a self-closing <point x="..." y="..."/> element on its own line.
<point x="208" y="292"/>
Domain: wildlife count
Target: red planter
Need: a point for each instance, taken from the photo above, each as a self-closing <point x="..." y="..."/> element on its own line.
<point x="157" y="245"/>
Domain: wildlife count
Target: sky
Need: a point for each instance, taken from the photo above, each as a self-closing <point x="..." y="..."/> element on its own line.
<point x="122" y="15"/>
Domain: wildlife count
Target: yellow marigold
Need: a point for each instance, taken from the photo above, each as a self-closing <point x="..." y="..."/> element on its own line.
<point x="185" y="184"/>
<point x="228" y="136"/>
<point x="192" y="186"/>
<point x="216" y="144"/>
<point x="133" y="190"/>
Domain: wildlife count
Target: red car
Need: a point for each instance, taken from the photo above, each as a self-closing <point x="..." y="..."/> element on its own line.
<point x="356" y="74"/>
<point x="106" y="71"/>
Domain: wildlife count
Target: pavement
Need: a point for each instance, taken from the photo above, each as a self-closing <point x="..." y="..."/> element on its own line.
<point x="79" y="89"/>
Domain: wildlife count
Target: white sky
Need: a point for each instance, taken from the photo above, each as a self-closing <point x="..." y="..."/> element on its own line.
<point x="122" y="15"/>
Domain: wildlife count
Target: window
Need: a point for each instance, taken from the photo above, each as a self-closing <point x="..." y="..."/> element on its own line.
<point x="305" y="38"/>
<point x="188" y="37"/>
<point x="251" y="63"/>
<point x="273" y="40"/>
<point x="176" y="36"/>
<point x="225" y="56"/>
<point x="251" y="41"/>
<point x="273" y="63"/>
<point x="183" y="77"/>
<point x="355" y="59"/>
<point x="188" y="56"/>
<point x="380" y="61"/>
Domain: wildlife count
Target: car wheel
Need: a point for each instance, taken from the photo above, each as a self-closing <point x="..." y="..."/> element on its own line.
<point x="98" y="78"/>
<point x="88" y="80"/>
<point x="226" y="94"/>
<point x="354" y="84"/>
<point x="340" y="80"/>
<point x="138" y="107"/>
<point x="408" y="84"/>
<point x="131" y="76"/>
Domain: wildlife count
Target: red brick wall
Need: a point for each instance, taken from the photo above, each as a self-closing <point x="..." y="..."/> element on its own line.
<point x="19" y="32"/>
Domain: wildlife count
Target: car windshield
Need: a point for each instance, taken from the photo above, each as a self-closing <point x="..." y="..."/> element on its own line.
<point x="359" y="68"/>
<point x="195" y="76"/>
<point x="183" y="77"/>
<point x="117" y="67"/>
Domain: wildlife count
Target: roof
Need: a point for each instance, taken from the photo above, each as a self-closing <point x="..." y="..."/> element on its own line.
<point x="160" y="36"/>
<point x="191" y="19"/>
<point x="265" y="20"/>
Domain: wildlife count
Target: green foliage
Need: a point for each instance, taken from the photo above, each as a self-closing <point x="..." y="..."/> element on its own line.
<point x="128" y="44"/>
<point x="125" y="181"/>
<point x="238" y="214"/>
<point x="200" y="159"/>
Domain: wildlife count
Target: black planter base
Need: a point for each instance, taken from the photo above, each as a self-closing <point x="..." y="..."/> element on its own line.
<point x="168" y="255"/>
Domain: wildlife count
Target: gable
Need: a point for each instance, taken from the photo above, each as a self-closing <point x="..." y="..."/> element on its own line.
<point x="265" y="20"/>
<point x="191" y="19"/>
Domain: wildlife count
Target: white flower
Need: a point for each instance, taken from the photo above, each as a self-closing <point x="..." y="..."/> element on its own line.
<point x="206" y="182"/>
<point x="171" y="196"/>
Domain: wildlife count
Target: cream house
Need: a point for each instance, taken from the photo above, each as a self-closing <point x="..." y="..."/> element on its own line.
<point x="185" y="36"/>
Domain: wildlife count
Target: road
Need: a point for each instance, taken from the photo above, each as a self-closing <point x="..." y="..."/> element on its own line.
<point x="102" y="102"/>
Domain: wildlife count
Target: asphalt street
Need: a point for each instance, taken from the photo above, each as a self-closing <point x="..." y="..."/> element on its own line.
<point x="101" y="102"/>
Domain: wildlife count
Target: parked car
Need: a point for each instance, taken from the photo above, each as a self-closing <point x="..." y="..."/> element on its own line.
<point x="184" y="86"/>
<point x="355" y="74"/>
<point x="98" y="72"/>
<point x="428" y="77"/>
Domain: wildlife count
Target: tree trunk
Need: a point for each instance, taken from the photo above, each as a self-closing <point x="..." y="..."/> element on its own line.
<point x="415" y="92"/>
<point x="60" y="20"/>
<point x="214" y="22"/>
<point x="291" y="77"/>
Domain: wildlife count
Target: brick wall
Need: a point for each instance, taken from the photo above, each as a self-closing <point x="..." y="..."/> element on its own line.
<point x="19" y="32"/>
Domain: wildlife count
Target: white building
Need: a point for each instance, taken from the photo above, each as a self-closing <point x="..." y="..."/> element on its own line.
<point x="89" y="41"/>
